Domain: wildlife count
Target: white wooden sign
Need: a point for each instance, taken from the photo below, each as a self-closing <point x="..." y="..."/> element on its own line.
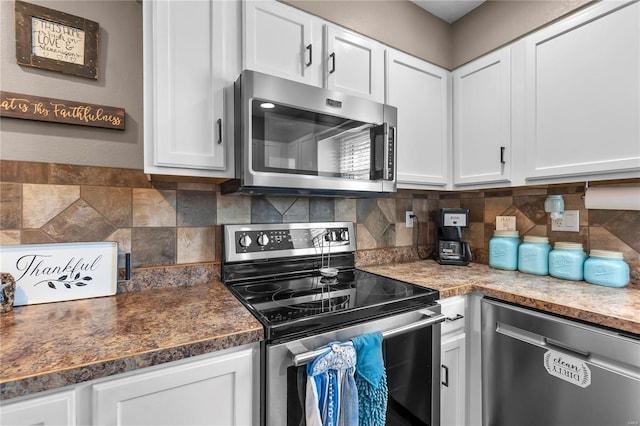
<point x="56" y="272"/>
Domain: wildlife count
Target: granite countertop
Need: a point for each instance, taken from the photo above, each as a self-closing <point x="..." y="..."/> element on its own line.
<point x="53" y="345"/>
<point x="57" y="344"/>
<point x="618" y="308"/>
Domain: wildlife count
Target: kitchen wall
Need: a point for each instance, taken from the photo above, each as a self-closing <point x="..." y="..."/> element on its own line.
<point x="119" y="84"/>
<point x="399" y="24"/>
<point x="62" y="183"/>
<point x="496" y="23"/>
<point x="167" y="223"/>
<point x="491" y="25"/>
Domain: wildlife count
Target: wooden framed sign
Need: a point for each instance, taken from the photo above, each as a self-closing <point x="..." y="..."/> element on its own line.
<point x="56" y="41"/>
<point x="28" y="107"/>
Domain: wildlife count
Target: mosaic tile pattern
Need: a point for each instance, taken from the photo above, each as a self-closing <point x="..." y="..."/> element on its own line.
<point x="168" y="223"/>
<point x="164" y="223"/>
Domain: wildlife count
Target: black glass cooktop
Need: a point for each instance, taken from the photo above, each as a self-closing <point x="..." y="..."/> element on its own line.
<point x="306" y="305"/>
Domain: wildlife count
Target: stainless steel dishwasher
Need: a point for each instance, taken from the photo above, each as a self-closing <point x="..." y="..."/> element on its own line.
<point x="540" y="369"/>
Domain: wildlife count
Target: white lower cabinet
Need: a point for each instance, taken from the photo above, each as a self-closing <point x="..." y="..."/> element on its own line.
<point x="213" y="391"/>
<point x="452" y="385"/>
<point x="57" y="408"/>
<point x="453" y="362"/>
<point x="220" y="388"/>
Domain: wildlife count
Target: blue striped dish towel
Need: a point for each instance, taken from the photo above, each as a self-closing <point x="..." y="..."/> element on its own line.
<point x="371" y="380"/>
<point x="331" y="397"/>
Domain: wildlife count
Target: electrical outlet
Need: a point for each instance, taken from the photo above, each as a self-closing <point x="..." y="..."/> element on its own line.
<point x="409" y="219"/>
<point x="569" y="222"/>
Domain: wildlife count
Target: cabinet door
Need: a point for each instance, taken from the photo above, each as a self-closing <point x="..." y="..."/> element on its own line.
<point x="213" y="391"/>
<point x="55" y="409"/>
<point x="482" y="120"/>
<point x="184" y="85"/>
<point x="452" y="387"/>
<point x="582" y="94"/>
<point x="354" y="64"/>
<point x="282" y="41"/>
<point x="420" y="91"/>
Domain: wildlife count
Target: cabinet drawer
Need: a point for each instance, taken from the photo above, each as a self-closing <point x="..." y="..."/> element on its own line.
<point x="454" y="310"/>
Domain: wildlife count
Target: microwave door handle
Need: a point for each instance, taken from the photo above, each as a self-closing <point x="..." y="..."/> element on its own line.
<point x="389" y="153"/>
<point x="382" y="152"/>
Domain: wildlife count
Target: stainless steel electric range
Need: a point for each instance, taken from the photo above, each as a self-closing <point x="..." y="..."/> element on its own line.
<point x="299" y="280"/>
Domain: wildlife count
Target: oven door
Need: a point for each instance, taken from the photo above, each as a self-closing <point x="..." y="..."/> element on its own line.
<point x="411" y="349"/>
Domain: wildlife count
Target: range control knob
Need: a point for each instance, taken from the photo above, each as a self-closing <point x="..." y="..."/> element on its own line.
<point x="245" y="241"/>
<point x="263" y="240"/>
<point x="344" y="235"/>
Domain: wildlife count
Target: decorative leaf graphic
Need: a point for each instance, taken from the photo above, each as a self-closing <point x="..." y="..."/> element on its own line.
<point x="87" y="278"/>
<point x="77" y="276"/>
<point x="62" y="278"/>
<point x="67" y="285"/>
<point x="81" y="284"/>
<point x="51" y="285"/>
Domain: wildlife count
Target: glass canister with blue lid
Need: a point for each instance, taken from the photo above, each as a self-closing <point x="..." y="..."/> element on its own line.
<point x="503" y="250"/>
<point x="566" y="261"/>
<point x="533" y="255"/>
<point x="605" y="267"/>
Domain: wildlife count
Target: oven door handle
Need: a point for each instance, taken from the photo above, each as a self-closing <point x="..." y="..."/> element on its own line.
<point x="306" y="357"/>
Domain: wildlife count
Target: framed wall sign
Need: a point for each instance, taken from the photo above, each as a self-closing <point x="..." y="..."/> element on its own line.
<point x="56" y="41"/>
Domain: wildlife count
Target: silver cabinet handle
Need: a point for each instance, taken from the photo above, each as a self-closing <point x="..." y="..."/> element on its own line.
<point x="307" y="357"/>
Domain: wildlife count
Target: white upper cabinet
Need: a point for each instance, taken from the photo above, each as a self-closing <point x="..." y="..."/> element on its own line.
<point x="283" y="41"/>
<point x="354" y="64"/>
<point x="420" y="91"/>
<point x="189" y="51"/>
<point x="482" y="120"/>
<point x="583" y="95"/>
<point x="286" y="42"/>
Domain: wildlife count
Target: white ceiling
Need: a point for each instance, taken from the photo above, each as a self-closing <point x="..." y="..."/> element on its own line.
<point x="448" y="10"/>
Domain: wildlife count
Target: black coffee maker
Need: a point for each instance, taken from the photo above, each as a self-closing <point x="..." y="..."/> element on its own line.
<point x="450" y="249"/>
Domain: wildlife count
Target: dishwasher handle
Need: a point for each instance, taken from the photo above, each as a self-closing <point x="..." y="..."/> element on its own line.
<point x="547" y="343"/>
<point x="307" y="357"/>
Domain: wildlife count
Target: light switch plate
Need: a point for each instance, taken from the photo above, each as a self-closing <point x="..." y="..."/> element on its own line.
<point x="569" y="222"/>
<point x="505" y="223"/>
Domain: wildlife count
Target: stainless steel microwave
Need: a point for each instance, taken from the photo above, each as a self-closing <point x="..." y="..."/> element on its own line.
<point x="292" y="138"/>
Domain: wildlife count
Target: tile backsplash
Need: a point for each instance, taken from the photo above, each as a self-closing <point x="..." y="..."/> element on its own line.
<point x="168" y="223"/>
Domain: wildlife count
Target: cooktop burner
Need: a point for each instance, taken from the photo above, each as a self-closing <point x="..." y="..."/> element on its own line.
<point x="274" y="270"/>
<point x="305" y="303"/>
